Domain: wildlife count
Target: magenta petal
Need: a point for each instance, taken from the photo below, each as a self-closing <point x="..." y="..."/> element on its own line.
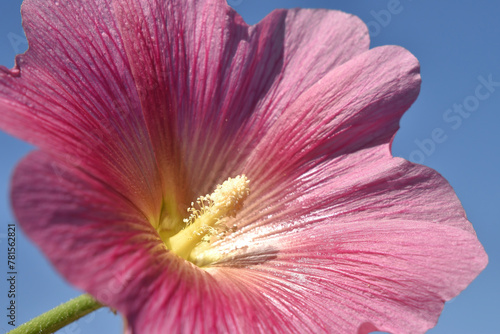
<point x="93" y="235"/>
<point x="116" y="101"/>
<point x="237" y="74"/>
<point x="73" y="94"/>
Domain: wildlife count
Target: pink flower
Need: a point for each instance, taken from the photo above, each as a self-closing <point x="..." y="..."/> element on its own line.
<point x="140" y="107"/>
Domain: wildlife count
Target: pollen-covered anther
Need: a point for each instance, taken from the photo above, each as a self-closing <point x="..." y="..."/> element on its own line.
<point x="228" y="197"/>
<point x="206" y="219"/>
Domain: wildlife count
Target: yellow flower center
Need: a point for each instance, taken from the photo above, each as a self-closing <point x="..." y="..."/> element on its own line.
<point x="206" y="220"/>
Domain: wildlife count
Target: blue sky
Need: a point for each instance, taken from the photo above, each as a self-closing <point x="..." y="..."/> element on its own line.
<point x="459" y="49"/>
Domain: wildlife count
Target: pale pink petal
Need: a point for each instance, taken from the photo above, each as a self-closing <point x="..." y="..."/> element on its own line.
<point x="357" y="277"/>
<point x="356" y="106"/>
<point x="362" y="186"/>
<point x="73" y="94"/>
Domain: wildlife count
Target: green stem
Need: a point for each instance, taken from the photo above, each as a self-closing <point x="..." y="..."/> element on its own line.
<point x="59" y="316"/>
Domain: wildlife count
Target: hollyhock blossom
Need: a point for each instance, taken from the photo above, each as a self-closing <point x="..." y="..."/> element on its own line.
<point x="200" y="175"/>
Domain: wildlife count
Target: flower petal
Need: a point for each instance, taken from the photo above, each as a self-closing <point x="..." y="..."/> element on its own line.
<point x="363" y="186"/>
<point x="73" y="94"/>
<point x="93" y="235"/>
<point x="360" y="277"/>
<point x="215" y="75"/>
<point x="358" y="105"/>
